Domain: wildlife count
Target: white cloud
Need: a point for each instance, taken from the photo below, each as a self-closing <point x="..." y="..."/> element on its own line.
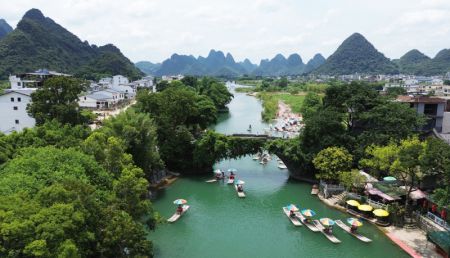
<point x="155" y="29"/>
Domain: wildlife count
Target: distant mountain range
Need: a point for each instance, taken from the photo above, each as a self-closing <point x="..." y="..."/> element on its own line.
<point x="355" y="55"/>
<point x="219" y="64"/>
<point x="5" y="29"/>
<point x="39" y="42"/>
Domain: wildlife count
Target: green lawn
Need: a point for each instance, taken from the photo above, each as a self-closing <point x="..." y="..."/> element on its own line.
<point x="270" y="103"/>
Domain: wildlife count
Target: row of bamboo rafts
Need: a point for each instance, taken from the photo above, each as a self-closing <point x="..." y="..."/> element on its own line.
<point x="330" y="237"/>
<point x="348" y="230"/>
<point x="240" y="194"/>
<point x="177" y="215"/>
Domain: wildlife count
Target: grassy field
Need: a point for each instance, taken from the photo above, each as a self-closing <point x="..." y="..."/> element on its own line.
<point x="270" y="103"/>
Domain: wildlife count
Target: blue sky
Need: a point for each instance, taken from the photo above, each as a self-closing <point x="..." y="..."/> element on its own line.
<point x="155" y="29"/>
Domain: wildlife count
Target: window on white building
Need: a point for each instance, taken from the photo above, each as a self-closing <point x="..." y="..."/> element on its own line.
<point x="17" y="121"/>
<point x="19" y="99"/>
<point x="12" y="99"/>
<point x="15" y="108"/>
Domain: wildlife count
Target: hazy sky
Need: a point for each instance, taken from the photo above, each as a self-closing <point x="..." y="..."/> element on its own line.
<point x="155" y="29"/>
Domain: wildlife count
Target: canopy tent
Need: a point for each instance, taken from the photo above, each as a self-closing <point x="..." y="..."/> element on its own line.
<point x="375" y="191"/>
<point x="390" y="189"/>
<point x="441" y="239"/>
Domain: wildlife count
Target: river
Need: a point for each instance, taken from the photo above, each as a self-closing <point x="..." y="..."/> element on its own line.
<point x="219" y="224"/>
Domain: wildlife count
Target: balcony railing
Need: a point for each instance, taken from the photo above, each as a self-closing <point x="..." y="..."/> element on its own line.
<point x="438" y="221"/>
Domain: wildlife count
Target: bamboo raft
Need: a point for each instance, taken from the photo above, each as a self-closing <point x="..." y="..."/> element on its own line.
<point x="311" y="226"/>
<point x="347" y="229"/>
<point x="332" y="238"/>
<point x="240" y="194"/>
<point x="211" y="181"/>
<point x="176" y="216"/>
<point x="294" y="220"/>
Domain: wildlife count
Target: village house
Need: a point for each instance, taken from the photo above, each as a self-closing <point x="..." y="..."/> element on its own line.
<point x="14" y="101"/>
<point x="432" y="107"/>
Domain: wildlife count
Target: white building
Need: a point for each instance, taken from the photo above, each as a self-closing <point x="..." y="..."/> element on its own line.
<point x="145" y="82"/>
<point x="104" y="99"/>
<point x="119" y="80"/>
<point x="127" y="92"/>
<point x="13" y="110"/>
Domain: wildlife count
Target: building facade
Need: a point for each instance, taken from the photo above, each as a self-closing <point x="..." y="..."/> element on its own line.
<point x="13" y="110"/>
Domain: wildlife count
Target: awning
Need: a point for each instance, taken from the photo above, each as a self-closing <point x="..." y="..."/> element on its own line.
<point x="374" y="191"/>
<point x="416" y="194"/>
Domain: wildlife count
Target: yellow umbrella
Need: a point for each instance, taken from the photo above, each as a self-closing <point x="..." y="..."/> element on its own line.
<point x="380" y="213"/>
<point x="353" y="203"/>
<point x="365" y="207"/>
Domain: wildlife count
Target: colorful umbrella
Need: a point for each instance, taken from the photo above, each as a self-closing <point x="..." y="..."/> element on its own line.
<point x="390" y="178"/>
<point x="180" y="201"/>
<point x="232" y="170"/>
<point x="292" y="207"/>
<point x="240" y="182"/>
<point x="308" y="212"/>
<point x="365" y="207"/>
<point x="380" y="213"/>
<point x="353" y="203"/>
<point x="354" y="222"/>
<point x="327" y="222"/>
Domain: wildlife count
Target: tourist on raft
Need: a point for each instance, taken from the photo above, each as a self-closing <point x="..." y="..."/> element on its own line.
<point x="231" y="175"/>
<point x="292" y="214"/>
<point x="353" y="228"/>
<point x="179" y="209"/>
<point x="328" y="230"/>
<point x="240" y="188"/>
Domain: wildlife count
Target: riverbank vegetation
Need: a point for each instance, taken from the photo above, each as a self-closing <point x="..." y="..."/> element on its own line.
<point x="281" y="85"/>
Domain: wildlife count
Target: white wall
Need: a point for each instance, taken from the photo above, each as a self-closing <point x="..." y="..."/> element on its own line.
<point x="8" y="115"/>
<point x="87" y="102"/>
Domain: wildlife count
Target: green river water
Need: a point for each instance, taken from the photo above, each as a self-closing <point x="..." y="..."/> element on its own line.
<point x="219" y="224"/>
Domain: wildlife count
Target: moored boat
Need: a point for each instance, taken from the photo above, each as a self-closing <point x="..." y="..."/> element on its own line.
<point x="294" y="220"/>
<point x="310" y="225"/>
<point x="348" y="230"/>
<point x="330" y="237"/>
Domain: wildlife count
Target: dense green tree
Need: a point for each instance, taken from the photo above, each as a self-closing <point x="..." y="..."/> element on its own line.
<point x="323" y="129"/>
<point x="57" y="99"/>
<point x="138" y="133"/>
<point x="162" y="85"/>
<point x="61" y="203"/>
<point x="332" y="161"/>
<point x="396" y="91"/>
<point x="190" y="81"/>
<point x="310" y="105"/>
<point x="391" y="120"/>
<point x="283" y="82"/>
<point x="352" y="179"/>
